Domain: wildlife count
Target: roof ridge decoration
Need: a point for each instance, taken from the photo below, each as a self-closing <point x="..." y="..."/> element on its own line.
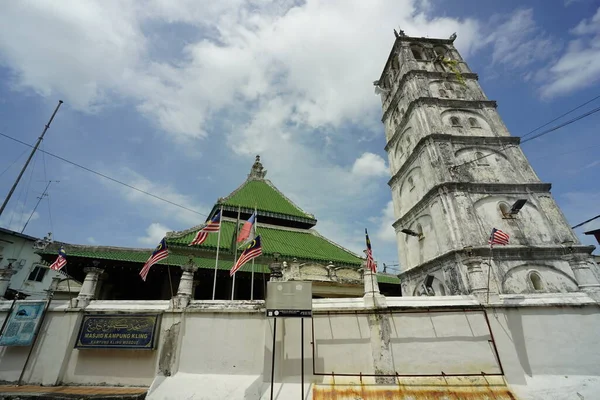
<point x="258" y="173"/>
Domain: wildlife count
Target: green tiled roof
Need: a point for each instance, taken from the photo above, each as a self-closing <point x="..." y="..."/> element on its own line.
<point x="265" y="197"/>
<point x="303" y="245"/>
<point x="140" y="256"/>
<point x="385" y="278"/>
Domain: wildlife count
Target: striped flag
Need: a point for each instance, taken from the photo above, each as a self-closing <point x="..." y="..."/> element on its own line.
<point x="248" y="230"/>
<point x="370" y="262"/>
<point x="253" y="250"/>
<point x="61" y="260"/>
<point x="498" y="237"/>
<point x="213" y="226"/>
<point x="160" y="253"/>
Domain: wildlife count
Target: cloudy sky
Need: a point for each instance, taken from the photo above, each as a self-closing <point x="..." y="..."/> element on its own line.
<point x="177" y="97"/>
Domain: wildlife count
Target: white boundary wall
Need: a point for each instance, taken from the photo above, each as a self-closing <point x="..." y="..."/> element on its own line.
<point x="549" y="346"/>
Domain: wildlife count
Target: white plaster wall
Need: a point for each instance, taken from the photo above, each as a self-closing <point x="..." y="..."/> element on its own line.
<point x="223" y="343"/>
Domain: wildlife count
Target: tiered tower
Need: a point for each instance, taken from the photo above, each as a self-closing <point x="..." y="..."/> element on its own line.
<point x="456" y="174"/>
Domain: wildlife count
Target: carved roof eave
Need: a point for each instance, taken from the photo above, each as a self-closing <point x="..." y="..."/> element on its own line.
<point x="469" y="187"/>
<point x="450" y="103"/>
<point x="443" y="137"/>
<point x="428" y="74"/>
<point x="411" y="39"/>
<point x="337" y="245"/>
<point x="508" y="253"/>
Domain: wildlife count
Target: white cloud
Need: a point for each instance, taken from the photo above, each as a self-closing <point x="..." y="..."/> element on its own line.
<point x="579" y="66"/>
<point x="154" y="234"/>
<point x="517" y="41"/>
<point x="15" y="218"/>
<point x="151" y="207"/>
<point x="588" y="26"/>
<point x="386" y="231"/>
<point x="369" y="164"/>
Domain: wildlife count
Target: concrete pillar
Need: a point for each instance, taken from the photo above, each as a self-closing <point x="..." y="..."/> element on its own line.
<point x="88" y="288"/>
<point x="186" y="287"/>
<point x="5" y="275"/>
<point x="477" y="277"/>
<point x="586" y="280"/>
<point x="276" y="272"/>
<point x="372" y="297"/>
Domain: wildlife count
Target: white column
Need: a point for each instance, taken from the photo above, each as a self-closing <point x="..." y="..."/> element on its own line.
<point x="88" y="288"/>
<point x="373" y="297"/>
<point x="5" y="275"/>
<point x="586" y="280"/>
<point x="186" y="285"/>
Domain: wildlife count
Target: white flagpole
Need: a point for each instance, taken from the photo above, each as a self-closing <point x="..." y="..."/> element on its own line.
<point x="237" y="228"/>
<point x="489" y="273"/>
<point x="255" y="231"/>
<point x="218" y="246"/>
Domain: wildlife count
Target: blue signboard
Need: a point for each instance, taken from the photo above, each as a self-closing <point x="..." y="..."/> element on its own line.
<point x="22" y="323"/>
<point x="118" y="331"/>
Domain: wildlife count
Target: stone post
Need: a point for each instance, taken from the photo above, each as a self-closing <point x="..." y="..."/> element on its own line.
<point x="586" y="280"/>
<point x="186" y="286"/>
<point x="5" y="275"/>
<point x="372" y="297"/>
<point x="477" y="278"/>
<point x="276" y="273"/>
<point x="88" y="288"/>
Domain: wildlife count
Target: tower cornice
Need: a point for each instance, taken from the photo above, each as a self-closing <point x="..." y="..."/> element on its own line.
<point x="470" y="187"/>
<point x="451" y="103"/>
<point x="442" y="137"/>
<point x="422" y="72"/>
<point x="504" y="253"/>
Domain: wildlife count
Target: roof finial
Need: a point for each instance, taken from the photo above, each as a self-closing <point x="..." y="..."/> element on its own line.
<point x="257" y="171"/>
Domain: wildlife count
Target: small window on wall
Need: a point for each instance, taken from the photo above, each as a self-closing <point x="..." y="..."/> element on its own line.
<point x="455" y="121"/>
<point x="473" y="123"/>
<point x="417" y="53"/>
<point x="443" y="93"/>
<point x="505" y="210"/>
<point x="536" y="281"/>
<point x="481" y="159"/>
<point x="38" y="273"/>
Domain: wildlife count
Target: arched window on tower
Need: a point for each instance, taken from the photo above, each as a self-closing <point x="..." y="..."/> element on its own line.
<point x="440" y="51"/>
<point x="411" y="183"/>
<point x="536" y="281"/>
<point x="395" y="62"/>
<point x="443" y="93"/>
<point x="481" y="159"/>
<point x="455" y="121"/>
<point x="473" y="123"/>
<point x="417" y="52"/>
<point x="420" y="231"/>
<point x="448" y="85"/>
<point x="504" y="210"/>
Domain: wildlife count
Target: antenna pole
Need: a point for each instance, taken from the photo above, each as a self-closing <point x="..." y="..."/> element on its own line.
<point x="29" y="159"/>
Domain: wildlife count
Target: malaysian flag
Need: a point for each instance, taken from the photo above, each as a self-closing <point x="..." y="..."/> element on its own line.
<point x="213" y="226"/>
<point x="253" y="250"/>
<point x="498" y="237"/>
<point x="61" y="260"/>
<point x="370" y="262"/>
<point x="160" y="253"/>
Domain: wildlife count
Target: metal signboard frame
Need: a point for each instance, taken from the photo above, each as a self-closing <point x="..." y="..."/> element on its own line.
<point x="118" y="331"/>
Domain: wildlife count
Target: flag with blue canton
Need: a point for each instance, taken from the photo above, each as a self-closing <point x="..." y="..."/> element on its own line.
<point x="61" y="260"/>
<point x="253" y="250"/>
<point x="160" y="253"/>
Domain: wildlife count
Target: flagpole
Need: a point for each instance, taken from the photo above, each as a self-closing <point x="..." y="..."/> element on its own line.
<point x="237" y="228"/>
<point x="255" y="232"/>
<point x="489" y="273"/>
<point x="218" y="247"/>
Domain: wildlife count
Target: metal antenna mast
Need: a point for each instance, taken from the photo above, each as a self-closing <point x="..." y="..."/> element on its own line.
<point x="29" y="159"/>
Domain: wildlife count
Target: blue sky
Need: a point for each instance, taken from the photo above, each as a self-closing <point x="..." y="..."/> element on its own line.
<point x="178" y="97"/>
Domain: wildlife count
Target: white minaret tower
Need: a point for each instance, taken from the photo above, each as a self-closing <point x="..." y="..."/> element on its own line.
<point x="456" y="174"/>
